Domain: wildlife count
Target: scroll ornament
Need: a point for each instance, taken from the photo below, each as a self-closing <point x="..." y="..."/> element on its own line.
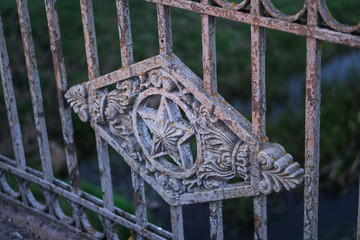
<point x="160" y="122"/>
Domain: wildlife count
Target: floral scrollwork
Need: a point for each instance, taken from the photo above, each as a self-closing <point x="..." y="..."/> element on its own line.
<point x="278" y="170"/>
<point x="77" y="97"/>
<point x="177" y="141"/>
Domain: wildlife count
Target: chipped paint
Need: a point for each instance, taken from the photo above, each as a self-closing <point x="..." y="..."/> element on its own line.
<point x="245" y="150"/>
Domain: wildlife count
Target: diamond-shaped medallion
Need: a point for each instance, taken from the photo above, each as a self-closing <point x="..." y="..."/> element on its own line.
<point x="189" y="146"/>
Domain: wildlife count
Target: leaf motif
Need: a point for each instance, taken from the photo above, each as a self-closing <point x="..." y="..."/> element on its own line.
<point x="280" y="174"/>
<point x="77" y="97"/>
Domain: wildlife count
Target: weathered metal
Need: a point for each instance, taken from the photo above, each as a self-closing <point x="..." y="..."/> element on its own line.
<point x="151" y="112"/>
<point x="35" y="89"/>
<point x="177" y="225"/>
<point x="216" y="220"/>
<point x="10" y="101"/>
<point x="208" y="30"/>
<point x="224" y="147"/>
<point x="38" y="112"/>
<point x="208" y="36"/>
<point x="258" y="47"/>
<point x="312" y="128"/>
<point x="101" y="145"/>
<point x="320" y="33"/>
<point x="164" y="29"/>
<point x="127" y="58"/>
<point x="85" y="200"/>
<point x="13" y="118"/>
<point x="61" y="84"/>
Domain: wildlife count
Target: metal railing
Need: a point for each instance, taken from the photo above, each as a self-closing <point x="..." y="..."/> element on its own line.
<point x="155" y="140"/>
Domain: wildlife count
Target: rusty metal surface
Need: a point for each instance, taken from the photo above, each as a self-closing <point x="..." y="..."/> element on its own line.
<point x="61" y="84"/>
<point x="216" y="220"/>
<point x="127" y="58"/>
<point x="10" y="101"/>
<point x="225" y="147"/>
<point x="208" y="36"/>
<point x="154" y="136"/>
<point x="124" y="27"/>
<point x="312" y="129"/>
<point x="85" y="201"/>
<point x="13" y="118"/>
<point x="320" y="33"/>
<point x="258" y="47"/>
<point x="177" y="225"/>
<point x="38" y="112"/>
<point x="312" y="139"/>
<point x="35" y="88"/>
<point x="101" y="145"/>
<point x="87" y="15"/>
<point x="164" y="29"/>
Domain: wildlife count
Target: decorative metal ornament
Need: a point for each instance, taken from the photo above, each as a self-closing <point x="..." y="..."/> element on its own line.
<point x="189" y="146"/>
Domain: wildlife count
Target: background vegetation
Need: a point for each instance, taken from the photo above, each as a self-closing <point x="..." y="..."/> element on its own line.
<point x="285" y="60"/>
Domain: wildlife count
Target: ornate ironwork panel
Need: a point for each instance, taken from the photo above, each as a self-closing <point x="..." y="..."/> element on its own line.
<point x="172" y="128"/>
<point x="157" y="108"/>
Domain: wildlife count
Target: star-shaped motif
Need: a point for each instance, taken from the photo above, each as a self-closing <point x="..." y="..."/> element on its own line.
<point x="170" y="132"/>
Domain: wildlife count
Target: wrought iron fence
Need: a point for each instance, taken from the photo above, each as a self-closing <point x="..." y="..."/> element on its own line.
<point x="157" y="107"/>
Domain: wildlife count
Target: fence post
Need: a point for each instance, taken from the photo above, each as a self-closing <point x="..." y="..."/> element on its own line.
<point x="61" y="84"/>
<point x="101" y="145"/>
<point x="312" y="128"/>
<point x="127" y="58"/>
<point x="258" y="46"/>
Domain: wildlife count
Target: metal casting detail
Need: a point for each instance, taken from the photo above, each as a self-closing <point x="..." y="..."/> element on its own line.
<point x="160" y="121"/>
<point x="274" y="12"/>
<point x="172" y="128"/>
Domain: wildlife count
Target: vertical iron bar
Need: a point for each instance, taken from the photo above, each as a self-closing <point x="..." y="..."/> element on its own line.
<point x="106" y="184"/>
<point x="127" y="58"/>
<point x="312" y="128"/>
<point x="61" y="84"/>
<point x="35" y="89"/>
<point x="124" y="27"/>
<point x="177" y="224"/>
<point x="10" y="102"/>
<point x="312" y="138"/>
<point x="258" y="46"/>
<point x="139" y="200"/>
<point x="164" y="29"/>
<point x="101" y="145"/>
<point x="105" y="174"/>
<point x="11" y="107"/>
<point x="87" y="15"/>
<point x="208" y="35"/>
<point x="216" y="221"/>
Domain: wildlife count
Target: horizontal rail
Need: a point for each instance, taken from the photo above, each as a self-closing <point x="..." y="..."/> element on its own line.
<point x="281" y="25"/>
<point x="204" y="90"/>
<point x="86" y="200"/>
